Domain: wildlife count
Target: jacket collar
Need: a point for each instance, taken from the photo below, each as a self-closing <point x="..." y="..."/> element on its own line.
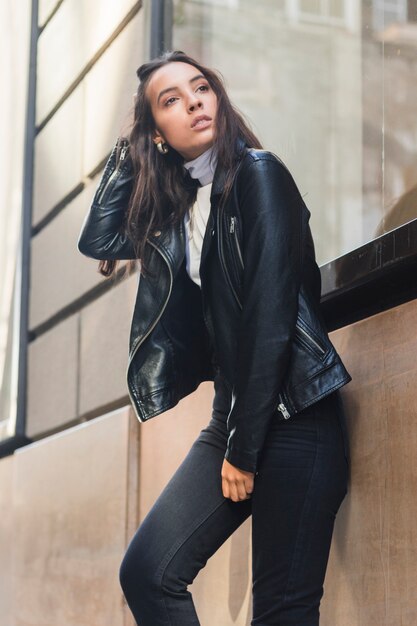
<point x="171" y="242"/>
<point x="220" y="173"/>
<point x="219" y="177"/>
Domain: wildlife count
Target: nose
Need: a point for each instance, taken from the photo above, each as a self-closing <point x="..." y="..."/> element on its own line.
<point x="194" y="103"/>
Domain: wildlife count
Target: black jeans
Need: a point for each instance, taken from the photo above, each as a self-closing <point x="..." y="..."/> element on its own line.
<point x="302" y="479"/>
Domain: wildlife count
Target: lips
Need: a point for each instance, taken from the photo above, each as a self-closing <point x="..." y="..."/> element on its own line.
<point x="199" y="118"/>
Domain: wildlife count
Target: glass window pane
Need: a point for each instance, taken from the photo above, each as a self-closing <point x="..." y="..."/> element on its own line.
<point x="337" y="8"/>
<point x="310" y="6"/>
<point x="334" y="97"/>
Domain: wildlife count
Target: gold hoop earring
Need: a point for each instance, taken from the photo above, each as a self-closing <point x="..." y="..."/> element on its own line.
<point x="162" y="147"/>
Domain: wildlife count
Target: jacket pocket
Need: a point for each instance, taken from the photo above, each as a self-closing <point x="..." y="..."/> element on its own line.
<point x="309" y="339"/>
<point x="233" y="230"/>
<point x="234" y="261"/>
<point x="233" y="274"/>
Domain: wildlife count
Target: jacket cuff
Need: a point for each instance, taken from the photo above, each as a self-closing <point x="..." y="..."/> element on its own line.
<point x="246" y="461"/>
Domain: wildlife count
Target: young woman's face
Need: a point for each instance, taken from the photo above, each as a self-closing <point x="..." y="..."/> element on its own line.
<point x="179" y="94"/>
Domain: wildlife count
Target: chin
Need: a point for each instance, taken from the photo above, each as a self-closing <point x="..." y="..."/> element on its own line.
<point x="207" y="142"/>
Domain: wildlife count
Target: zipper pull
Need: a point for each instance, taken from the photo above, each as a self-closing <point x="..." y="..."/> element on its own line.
<point x="123" y="153"/>
<point x="232" y="225"/>
<point x="284" y="411"/>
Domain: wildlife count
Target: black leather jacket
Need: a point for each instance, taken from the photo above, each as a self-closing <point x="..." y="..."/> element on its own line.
<point x="256" y="318"/>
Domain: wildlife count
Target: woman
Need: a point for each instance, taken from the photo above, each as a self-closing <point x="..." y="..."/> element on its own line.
<point x="229" y="291"/>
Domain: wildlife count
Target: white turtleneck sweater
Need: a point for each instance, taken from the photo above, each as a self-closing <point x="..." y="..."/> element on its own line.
<point x="203" y="168"/>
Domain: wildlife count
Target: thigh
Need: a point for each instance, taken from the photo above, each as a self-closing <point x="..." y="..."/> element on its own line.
<point x="301" y="483"/>
<point x="191" y="518"/>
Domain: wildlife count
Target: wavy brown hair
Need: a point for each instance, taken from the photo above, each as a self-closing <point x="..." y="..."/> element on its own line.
<point x="160" y="195"/>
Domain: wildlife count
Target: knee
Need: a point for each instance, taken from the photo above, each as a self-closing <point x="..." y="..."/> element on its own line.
<point x="138" y="570"/>
<point x="126" y="573"/>
<point x="138" y="577"/>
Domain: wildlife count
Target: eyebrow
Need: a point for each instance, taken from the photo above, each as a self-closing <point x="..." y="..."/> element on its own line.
<point x="192" y="80"/>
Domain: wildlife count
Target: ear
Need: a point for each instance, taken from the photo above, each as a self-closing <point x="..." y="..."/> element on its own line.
<point x="157" y="137"/>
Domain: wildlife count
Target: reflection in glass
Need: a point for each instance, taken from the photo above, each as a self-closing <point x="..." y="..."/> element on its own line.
<point x="390" y="121"/>
<point x="329" y="86"/>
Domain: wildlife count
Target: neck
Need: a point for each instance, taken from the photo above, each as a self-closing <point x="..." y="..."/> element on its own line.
<point x="203" y="166"/>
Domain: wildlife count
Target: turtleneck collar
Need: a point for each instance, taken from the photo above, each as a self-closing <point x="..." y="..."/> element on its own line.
<point x="203" y="166"/>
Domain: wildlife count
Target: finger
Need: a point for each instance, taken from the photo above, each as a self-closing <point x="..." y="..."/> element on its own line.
<point x="228" y="486"/>
<point x="225" y="488"/>
<point x="241" y="490"/>
<point x="249" y="486"/>
<point x="233" y="492"/>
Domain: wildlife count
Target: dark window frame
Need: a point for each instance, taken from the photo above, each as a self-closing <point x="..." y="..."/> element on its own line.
<point x="372" y="278"/>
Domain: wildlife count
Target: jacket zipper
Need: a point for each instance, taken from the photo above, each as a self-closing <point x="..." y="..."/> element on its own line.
<point x="281" y="407"/>
<point x="232" y="230"/>
<point x="311" y="339"/>
<point x="113" y="174"/>
<point x="223" y="261"/>
<point x="150" y="329"/>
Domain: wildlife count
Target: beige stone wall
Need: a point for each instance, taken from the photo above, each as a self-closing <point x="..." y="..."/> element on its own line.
<point x="73" y="500"/>
<point x="372" y="575"/>
<point x="71" y="503"/>
<point x="7" y="538"/>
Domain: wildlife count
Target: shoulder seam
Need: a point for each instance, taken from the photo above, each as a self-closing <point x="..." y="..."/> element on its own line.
<point x="266" y="155"/>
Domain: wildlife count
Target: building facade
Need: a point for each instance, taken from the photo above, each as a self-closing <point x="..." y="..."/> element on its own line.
<point x="329" y="86"/>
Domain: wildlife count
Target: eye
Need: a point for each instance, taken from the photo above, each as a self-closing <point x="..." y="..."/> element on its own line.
<point x="172" y="98"/>
<point x="169" y="99"/>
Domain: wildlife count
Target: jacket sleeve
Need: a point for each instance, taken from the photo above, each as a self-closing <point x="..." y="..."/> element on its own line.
<point x="102" y="234"/>
<point x="272" y="211"/>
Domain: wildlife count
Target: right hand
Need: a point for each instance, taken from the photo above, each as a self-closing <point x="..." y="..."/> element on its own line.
<point x="237" y="484"/>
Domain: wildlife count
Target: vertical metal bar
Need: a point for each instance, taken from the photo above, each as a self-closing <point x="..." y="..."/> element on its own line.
<point x="28" y="169"/>
<point x="161" y="27"/>
<point x="292" y="10"/>
<point x="411" y="11"/>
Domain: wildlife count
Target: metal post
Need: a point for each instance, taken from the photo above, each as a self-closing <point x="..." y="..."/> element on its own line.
<point x="161" y="27"/>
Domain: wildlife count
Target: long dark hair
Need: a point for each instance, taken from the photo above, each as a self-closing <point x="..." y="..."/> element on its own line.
<point x="160" y="196"/>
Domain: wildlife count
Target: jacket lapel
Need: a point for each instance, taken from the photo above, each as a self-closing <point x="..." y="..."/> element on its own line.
<point x="217" y="187"/>
<point x="171" y="242"/>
